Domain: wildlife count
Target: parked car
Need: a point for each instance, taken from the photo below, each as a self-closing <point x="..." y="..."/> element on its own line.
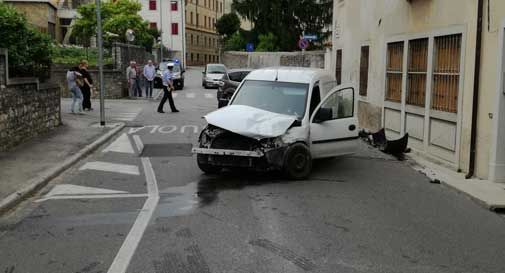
<point x="276" y="120"/>
<point x="212" y="74"/>
<point x="178" y="74"/>
<point x="229" y="83"/>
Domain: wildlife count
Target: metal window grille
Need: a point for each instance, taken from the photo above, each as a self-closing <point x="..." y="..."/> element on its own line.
<point x="363" y="70"/>
<point x="394" y="71"/>
<point x="417" y="72"/>
<point x="446" y="73"/>
<point x="338" y="67"/>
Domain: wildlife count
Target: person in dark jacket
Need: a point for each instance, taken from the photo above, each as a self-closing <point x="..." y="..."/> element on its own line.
<point x="87" y="85"/>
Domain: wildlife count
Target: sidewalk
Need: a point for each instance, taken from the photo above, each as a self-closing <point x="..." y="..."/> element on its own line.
<point x="488" y="194"/>
<point x="33" y="164"/>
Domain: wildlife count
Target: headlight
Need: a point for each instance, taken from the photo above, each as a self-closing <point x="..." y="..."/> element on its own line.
<point x="220" y="83"/>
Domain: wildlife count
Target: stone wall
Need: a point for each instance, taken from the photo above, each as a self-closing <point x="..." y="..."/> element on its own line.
<point x="122" y="54"/>
<point x="369" y="116"/>
<point x="236" y="59"/>
<point x="114" y="82"/>
<point x="27" y="109"/>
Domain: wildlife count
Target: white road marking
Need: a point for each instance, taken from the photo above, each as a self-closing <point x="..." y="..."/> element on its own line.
<point x="171" y="129"/>
<point x="130" y="244"/>
<point x="100" y="196"/>
<point x="174" y="95"/>
<point x="190" y="95"/>
<point x="165" y="129"/>
<point x="69" y="189"/>
<point x="209" y="95"/>
<point x="121" y="145"/>
<point x="195" y="128"/>
<point x="126" y="116"/>
<point x="111" y="167"/>
<point x="138" y="143"/>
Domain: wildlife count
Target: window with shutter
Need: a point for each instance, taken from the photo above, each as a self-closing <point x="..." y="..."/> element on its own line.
<point x="394" y="71"/>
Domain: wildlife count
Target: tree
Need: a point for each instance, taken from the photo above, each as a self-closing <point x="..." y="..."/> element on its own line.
<point x="267" y="42"/>
<point x="235" y="42"/>
<point x="26" y="46"/>
<point x="228" y="24"/>
<point x="287" y="19"/>
<point x="117" y="17"/>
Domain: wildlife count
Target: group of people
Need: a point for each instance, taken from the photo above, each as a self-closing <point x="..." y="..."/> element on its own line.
<point x="80" y="85"/>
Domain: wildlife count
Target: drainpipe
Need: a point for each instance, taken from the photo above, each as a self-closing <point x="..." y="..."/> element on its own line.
<point x="476" y="83"/>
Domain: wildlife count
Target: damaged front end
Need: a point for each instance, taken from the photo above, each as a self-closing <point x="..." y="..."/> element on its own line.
<point x="220" y="148"/>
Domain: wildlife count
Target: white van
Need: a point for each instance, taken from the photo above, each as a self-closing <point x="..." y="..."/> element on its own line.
<point x="281" y="118"/>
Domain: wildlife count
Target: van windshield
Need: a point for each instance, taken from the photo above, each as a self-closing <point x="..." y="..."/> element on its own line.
<point x="278" y="97"/>
<point x="216" y="69"/>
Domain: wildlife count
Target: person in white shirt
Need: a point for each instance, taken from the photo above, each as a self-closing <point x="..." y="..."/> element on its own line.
<point x="168" y="87"/>
<point x="149" y="74"/>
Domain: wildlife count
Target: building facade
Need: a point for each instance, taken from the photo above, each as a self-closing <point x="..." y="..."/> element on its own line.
<point x="202" y="40"/>
<point x="416" y="66"/>
<point x="168" y="17"/>
<point x="41" y="14"/>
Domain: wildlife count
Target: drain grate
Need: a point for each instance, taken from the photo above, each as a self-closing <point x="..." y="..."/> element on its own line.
<point x="167" y="150"/>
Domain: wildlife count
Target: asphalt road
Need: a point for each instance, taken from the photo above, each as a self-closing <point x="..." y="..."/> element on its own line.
<point x="117" y="211"/>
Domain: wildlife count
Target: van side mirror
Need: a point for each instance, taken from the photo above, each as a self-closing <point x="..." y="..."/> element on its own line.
<point x="323" y="114"/>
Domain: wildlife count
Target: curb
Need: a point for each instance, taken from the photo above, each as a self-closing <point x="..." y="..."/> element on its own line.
<point x="37" y="183"/>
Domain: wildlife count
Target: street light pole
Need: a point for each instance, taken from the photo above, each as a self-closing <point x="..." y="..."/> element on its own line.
<point x="100" y="62"/>
<point x="161" y="31"/>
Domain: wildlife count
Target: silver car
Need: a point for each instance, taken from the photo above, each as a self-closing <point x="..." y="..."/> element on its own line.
<point x="212" y="75"/>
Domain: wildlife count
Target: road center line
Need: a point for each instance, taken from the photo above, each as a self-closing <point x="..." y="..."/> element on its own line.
<point x="130" y="244"/>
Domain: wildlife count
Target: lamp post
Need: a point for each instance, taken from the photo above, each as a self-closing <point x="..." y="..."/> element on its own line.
<point x="100" y="61"/>
<point x="161" y="31"/>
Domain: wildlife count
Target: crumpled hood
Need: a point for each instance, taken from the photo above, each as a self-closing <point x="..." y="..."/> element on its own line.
<point x="250" y="122"/>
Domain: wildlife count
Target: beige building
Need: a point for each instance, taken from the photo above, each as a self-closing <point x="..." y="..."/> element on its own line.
<point x="202" y="40"/>
<point x="414" y="64"/>
<point x="41" y="14"/>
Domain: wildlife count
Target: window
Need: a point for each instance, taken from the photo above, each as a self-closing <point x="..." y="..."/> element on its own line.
<point x="197" y="19"/>
<point x="221" y="7"/>
<point x="197" y="40"/>
<point x="341" y="103"/>
<point x="192" y="57"/>
<point x="394" y="71"/>
<point x="153" y="25"/>
<point x="363" y="70"/>
<point x="175" y="28"/>
<point x="152" y="4"/>
<point x="314" y="100"/>
<point x="173" y="6"/>
<point x="338" y="67"/>
<point x="210" y="24"/>
<point x="417" y="72"/>
<point x="191" y="17"/>
<point x="51" y="30"/>
<point x="192" y="41"/>
<point x="446" y="73"/>
<point x="205" y="21"/>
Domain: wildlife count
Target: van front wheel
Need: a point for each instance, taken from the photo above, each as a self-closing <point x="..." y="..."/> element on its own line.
<point x="297" y="162"/>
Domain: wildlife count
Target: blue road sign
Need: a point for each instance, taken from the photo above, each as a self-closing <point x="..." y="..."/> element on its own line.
<point x="303" y="44"/>
<point x="249" y="47"/>
<point x="310" y="37"/>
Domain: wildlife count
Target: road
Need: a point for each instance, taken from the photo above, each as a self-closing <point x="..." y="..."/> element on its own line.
<point x="117" y="211"/>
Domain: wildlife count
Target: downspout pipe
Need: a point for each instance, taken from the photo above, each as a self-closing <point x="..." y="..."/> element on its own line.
<point x="476" y="84"/>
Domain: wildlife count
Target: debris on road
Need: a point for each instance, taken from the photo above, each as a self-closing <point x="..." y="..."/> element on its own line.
<point x="396" y="148"/>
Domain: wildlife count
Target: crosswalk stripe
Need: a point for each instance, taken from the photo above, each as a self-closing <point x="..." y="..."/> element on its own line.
<point x="209" y="95"/>
<point x="121" y="145"/>
<point x="69" y="189"/>
<point x="174" y="95"/>
<point x="111" y="167"/>
<point x="190" y="95"/>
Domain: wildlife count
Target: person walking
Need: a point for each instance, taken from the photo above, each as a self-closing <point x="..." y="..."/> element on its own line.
<point x="168" y="87"/>
<point x="149" y="74"/>
<point x="138" y="89"/>
<point x="87" y="85"/>
<point x="131" y="77"/>
<point x="73" y="77"/>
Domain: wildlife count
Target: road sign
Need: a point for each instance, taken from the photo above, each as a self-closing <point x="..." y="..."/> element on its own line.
<point x="310" y="37"/>
<point x="303" y="44"/>
<point x="249" y="47"/>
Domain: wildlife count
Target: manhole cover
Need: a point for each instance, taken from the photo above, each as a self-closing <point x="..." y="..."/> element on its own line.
<point x="167" y="150"/>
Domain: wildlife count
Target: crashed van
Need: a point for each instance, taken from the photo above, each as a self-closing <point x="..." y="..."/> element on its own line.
<point x="280" y="119"/>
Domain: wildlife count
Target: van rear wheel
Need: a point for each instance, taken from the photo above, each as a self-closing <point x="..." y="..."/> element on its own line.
<point x="297" y="162"/>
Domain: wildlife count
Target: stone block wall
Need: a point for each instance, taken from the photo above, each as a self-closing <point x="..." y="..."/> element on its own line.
<point x="369" y="116"/>
<point x="122" y="54"/>
<point x="27" y="109"/>
<point x="236" y="59"/>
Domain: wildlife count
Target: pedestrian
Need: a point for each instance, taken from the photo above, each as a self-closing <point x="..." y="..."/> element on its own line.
<point x="87" y="86"/>
<point x="149" y="74"/>
<point x="168" y="87"/>
<point x="73" y="77"/>
<point x="138" y="89"/>
<point x="131" y="77"/>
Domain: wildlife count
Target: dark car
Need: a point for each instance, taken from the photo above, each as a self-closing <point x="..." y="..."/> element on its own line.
<point x="229" y="83"/>
<point x="178" y="74"/>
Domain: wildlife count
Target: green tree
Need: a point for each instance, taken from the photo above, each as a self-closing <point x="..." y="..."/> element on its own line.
<point x="117" y="17"/>
<point x="228" y="24"/>
<point x="267" y="42"/>
<point x="235" y="42"/>
<point x="287" y="19"/>
<point x="26" y="45"/>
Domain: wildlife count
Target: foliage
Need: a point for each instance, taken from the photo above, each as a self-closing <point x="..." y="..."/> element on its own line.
<point x="117" y="17"/>
<point x="26" y="46"/>
<point x="235" y="42"/>
<point x="287" y="19"/>
<point x="72" y="55"/>
<point x="228" y="24"/>
<point x="267" y="42"/>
